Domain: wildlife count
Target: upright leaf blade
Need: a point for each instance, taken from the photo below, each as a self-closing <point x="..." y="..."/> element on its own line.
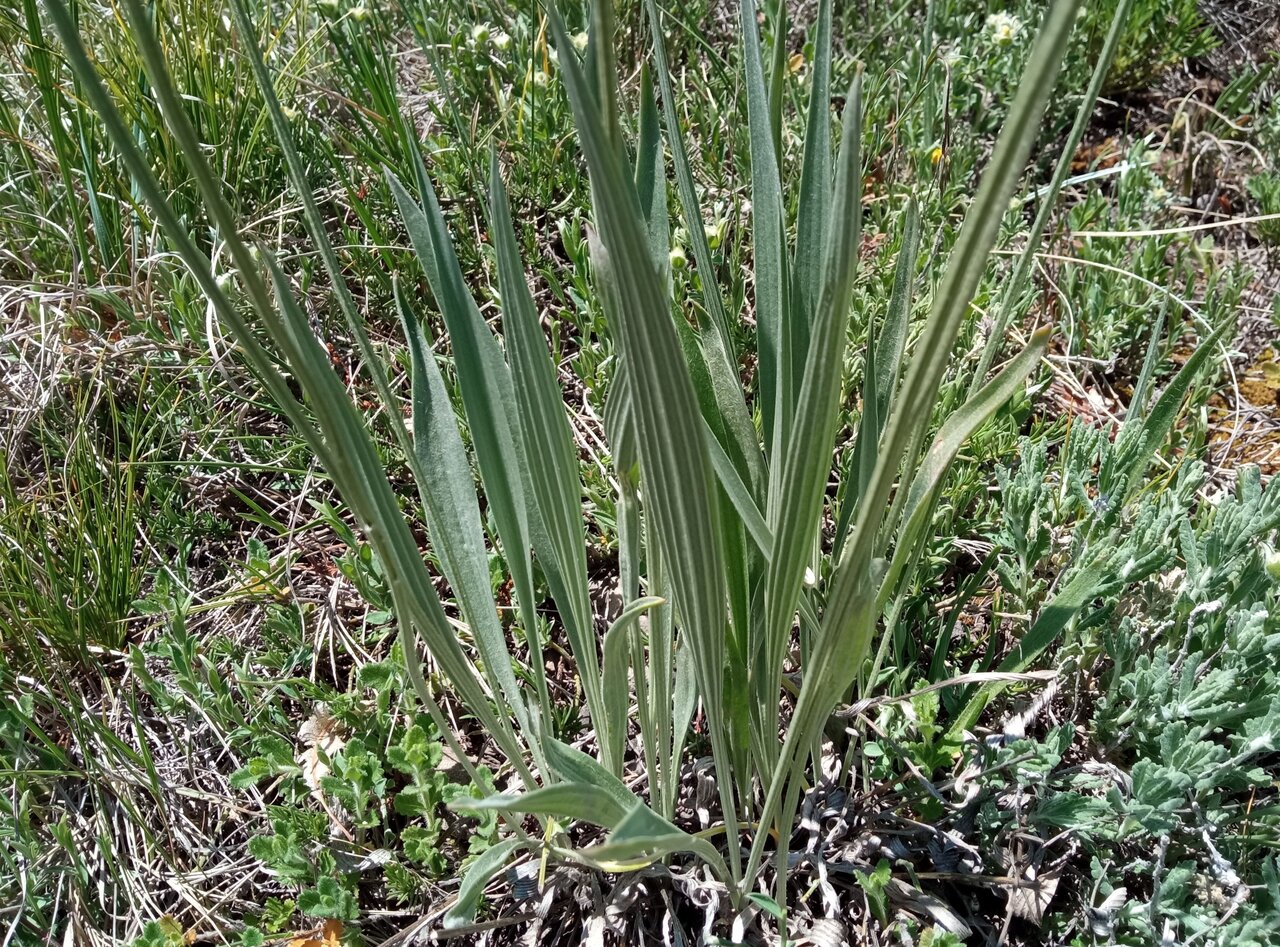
<point x="453" y="516"/>
<point x="799" y="475"/>
<point x="815" y="192"/>
<point x="677" y="479"/>
<point x="776" y="380"/>
<point x="548" y="446"/>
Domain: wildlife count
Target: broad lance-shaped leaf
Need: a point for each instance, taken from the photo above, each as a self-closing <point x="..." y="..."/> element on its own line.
<point x="815" y="195"/>
<point x="738" y="436"/>
<point x="617" y="694"/>
<point x="366" y="489"/>
<point x="487" y="397"/>
<point x="553" y="461"/>
<point x="768" y="233"/>
<point x="452" y="513"/>
<point x="677" y="480"/>
<point x="638" y="836"/>
<point x="799" y="475"/>
<point x="491" y="861"/>
<point x="565" y="801"/>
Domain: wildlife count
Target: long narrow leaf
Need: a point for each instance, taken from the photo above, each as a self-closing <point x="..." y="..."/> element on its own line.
<point x="799" y="476"/>
<point x="548" y="447"/>
<point x="678" y="486"/>
<point x="815" y="193"/>
<point x="768" y="233"/>
<point x="452" y="513"/>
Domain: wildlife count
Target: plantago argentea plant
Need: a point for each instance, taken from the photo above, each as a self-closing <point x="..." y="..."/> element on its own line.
<point x="729" y="579"/>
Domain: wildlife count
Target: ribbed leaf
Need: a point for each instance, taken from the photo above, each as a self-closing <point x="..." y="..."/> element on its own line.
<point x="677" y="480"/>
<point x="616" y="687"/>
<point x="777" y="383"/>
<point x="642" y="837"/>
<point x="549" y="451"/>
<point x="574" y="766"/>
<point x="965" y="266"/>
<point x="487" y="397"/>
<point x="799" y="475"/>
<point x="452" y="513"/>
<point x="475" y="879"/>
<point x="315" y="223"/>
<point x="884" y="363"/>
<point x="567" y="801"/>
<point x="851" y="614"/>
<point x="738" y="436"/>
<point x="814" y="212"/>
<point x="651" y="181"/>
<point x="340" y="440"/>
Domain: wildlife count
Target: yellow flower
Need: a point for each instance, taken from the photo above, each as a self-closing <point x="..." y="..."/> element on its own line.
<point x="935" y="155"/>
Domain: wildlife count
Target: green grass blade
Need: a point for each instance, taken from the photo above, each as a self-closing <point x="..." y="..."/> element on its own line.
<point x="777" y="75"/>
<point x="1142" y="387"/>
<point x="1135" y="449"/>
<point x="958" y="428"/>
<point x="1052" y="620"/>
<point x="1017" y="281"/>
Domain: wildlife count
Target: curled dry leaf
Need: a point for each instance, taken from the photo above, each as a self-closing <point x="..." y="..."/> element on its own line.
<point x="322" y="736"/>
<point x="328" y="935"/>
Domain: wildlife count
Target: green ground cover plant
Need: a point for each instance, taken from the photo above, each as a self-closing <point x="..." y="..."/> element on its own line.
<point x="774" y="399"/>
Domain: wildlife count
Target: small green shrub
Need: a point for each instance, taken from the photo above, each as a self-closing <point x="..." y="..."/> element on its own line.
<point x="1159" y="34"/>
